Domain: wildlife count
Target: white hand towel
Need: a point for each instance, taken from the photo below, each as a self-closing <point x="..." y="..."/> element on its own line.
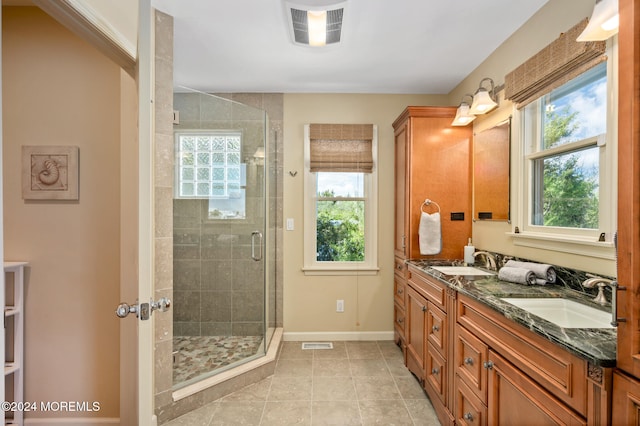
<point x="517" y="275"/>
<point x="542" y="270"/>
<point x="430" y="233"/>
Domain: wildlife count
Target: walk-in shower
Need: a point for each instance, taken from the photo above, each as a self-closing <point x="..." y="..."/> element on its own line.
<point x="223" y="236"/>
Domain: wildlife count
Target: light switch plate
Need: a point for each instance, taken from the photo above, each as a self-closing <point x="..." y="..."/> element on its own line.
<point x="290" y="224"/>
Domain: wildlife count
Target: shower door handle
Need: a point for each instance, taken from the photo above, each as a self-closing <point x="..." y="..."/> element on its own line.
<point x="255" y="234"/>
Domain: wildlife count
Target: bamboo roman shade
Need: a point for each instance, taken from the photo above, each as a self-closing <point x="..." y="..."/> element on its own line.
<point x="341" y="147"/>
<point x="562" y="60"/>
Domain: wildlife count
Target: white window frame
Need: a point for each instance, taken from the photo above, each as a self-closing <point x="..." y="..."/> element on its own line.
<point x="370" y="264"/>
<point x="572" y="240"/>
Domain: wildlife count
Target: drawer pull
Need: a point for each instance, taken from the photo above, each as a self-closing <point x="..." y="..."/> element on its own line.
<point x="468" y="416"/>
<point x="435" y="371"/>
<point x="468" y="361"/>
<point x="435" y="328"/>
<point x="400" y="291"/>
<point x="400" y="320"/>
<point x="488" y="365"/>
<point x="399" y="266"/>
<point x="424" y="309"/>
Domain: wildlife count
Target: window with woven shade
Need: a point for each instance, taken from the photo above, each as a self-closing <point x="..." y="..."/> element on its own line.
<point x="559" y="62"/>
<point x="340" y="199"/>
<point x="568" y="126"/>
<point x="341" y="147"/>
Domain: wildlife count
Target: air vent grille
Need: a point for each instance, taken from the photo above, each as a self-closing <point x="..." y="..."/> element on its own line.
<point x="317" y="345"/>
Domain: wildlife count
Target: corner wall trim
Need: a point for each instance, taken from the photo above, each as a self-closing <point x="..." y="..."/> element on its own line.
<point x="89" y="26"/>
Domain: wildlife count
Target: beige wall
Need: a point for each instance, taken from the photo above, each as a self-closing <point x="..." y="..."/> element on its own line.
<point x="545" y="26"/>
<point x="310" y="301"/>
<point x="58" y="90"/>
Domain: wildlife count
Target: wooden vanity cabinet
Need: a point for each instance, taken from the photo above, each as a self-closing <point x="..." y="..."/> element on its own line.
<point x="505" y="373"/>
<point x="626" y="380"/>
<point x="432" y="160"/>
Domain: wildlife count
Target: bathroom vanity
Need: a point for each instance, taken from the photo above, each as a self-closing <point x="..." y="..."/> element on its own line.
<point x="484" y="361"/>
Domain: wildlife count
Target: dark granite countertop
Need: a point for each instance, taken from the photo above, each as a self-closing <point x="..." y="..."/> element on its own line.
<point x="597" y="346"/>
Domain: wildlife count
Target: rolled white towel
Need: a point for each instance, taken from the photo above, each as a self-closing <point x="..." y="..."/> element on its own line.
<point x="542" y="270"/>
<point x="517" y="275"/>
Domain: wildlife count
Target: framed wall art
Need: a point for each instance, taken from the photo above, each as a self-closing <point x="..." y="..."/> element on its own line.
<point x="50" y="172"/>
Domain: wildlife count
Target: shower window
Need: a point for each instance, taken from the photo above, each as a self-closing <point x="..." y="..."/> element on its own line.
<point x="208" y="166"/>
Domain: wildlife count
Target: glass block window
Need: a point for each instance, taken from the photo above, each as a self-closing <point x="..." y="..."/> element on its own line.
<point x="208" y="165"/>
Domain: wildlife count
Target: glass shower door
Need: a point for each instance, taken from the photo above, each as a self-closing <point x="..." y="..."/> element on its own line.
<point x="221" y="236"/>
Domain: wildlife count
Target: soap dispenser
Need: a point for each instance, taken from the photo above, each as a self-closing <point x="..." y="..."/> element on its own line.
<point x="469" y="249"/>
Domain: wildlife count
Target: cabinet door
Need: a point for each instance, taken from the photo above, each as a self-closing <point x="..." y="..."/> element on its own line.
<point x="628" y="356"/>
<point x="401" y="188"/>
<point x="416" y="314"/>
<point x="515" y="399"/>
<point x="626" y="400"/>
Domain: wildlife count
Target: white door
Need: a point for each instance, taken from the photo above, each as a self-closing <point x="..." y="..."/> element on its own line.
<point x="136" y="330"/>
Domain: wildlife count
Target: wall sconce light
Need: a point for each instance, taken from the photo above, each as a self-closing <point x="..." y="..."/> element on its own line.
<point x="603" y="23"/>
<point x="259" y="152"/>
<point x="463" y="117"/>
<point x="483" y="99"/>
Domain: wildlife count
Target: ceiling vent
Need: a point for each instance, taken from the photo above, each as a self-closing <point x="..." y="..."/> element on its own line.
<point x="315" y="24"/>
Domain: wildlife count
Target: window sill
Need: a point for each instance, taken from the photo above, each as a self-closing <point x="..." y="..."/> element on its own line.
<point x="344" y="271"/>
<point x="565" y="244"/>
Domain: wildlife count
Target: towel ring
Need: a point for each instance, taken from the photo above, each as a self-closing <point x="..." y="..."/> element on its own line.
<point x="428" y="202"/>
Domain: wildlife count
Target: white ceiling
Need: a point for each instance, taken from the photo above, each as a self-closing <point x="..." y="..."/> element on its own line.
<point x="399" y="46"/>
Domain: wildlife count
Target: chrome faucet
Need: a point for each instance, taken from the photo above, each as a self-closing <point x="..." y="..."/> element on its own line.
<point x="600" y="298"/>
<point x="489" y="259"/>
<point x="601" y="283"/>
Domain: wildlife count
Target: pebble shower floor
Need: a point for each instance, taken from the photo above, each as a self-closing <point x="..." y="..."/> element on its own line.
<point x="197" y="355"/>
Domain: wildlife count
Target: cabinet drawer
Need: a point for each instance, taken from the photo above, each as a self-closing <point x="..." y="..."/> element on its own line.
<point x="437" y="328"/>
<point x="560" y="372"/>
<point x="436" y="373"/>
<point x="399" y="290"/>
<point x="399" y="320"/>
<point x="400" y="267"/>
<point x="469" y="410"/>
<point x="470" y="356"/>
<point x="428" y="287"/>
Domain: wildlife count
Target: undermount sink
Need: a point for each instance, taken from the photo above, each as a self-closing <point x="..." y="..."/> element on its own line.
<point x="461" y="270"/>
<point x="564" y="313"/>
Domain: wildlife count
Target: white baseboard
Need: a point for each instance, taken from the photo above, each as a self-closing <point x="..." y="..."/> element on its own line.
<point x="311" y="336"/>
<point x="74" y="421"/>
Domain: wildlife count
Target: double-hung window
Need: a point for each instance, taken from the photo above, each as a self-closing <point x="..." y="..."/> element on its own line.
<point x="568" y="177"/>
<point x="340" y="199"/>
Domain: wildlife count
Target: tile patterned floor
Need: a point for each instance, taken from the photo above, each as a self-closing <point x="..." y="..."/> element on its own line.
<point x="356" y="383"/>
<point x="199" y="355"/>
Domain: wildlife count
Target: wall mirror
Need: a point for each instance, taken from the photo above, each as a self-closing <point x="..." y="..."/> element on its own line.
<point x="491" y="149"/>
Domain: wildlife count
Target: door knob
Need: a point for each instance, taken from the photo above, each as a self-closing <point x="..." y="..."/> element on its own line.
<point x="124" y="309"/>
<point x="163" y="304"/>
<point x="143" y="310"/>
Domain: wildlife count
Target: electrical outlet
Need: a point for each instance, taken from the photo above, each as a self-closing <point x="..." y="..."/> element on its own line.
<point x="339" y="305"/>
